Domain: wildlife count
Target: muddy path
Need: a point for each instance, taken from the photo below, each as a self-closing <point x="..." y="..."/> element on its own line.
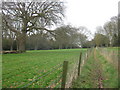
<point x="98" y="70"/>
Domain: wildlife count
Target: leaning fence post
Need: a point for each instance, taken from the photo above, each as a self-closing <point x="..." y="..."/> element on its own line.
<point x="64" y="74"/>
<point x="79" y="63"/>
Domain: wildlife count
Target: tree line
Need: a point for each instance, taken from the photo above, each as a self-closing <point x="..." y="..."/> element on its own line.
<point x="25" y="26"/>
<point x="63" y="37"/>
<point x="107" y="35"/>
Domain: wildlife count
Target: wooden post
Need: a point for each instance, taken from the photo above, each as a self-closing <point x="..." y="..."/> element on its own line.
<point x="87" y="53"/>
<point x="79" y="63"/>
<point x="64" y="74"/>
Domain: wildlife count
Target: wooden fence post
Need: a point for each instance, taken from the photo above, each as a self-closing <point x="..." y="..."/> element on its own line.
<point x="79" y="63"/>
<point x="64" y="74"/>
<point x="87" y="53"/>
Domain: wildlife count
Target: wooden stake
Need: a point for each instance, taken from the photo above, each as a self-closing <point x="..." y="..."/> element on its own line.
<point x="64" y="75"/>
<point x="79" y="63"/>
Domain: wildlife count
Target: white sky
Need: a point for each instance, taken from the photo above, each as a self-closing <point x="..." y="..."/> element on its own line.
<point x="90" y="13"/>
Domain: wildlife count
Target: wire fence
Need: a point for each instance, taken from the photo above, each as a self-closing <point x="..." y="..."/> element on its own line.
<point x="44" y="75"/>
<point x="110" y="55"/>
<point x="56" y="77"/>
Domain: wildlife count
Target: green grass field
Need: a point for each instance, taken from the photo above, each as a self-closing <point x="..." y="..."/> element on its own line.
<point x="20" y="69"/>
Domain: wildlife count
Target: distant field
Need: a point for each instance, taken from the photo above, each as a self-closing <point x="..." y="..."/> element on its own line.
<point x="20" y="69"/>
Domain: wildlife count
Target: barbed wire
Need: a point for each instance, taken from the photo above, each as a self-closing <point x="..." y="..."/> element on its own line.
<point x="52" y="77"/>
<point x="55" y="81"/>
<point x="55" y="68"/>
<point x="59" y="84"/>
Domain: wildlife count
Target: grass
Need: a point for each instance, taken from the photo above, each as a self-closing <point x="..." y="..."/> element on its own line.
<point x="113" y="48"/>
<point x="110" y="73"/>
<point x="88" y="77"/>
<point x="20" y="69"/>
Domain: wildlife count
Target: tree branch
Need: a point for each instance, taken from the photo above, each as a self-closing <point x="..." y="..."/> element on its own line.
<point x="10" y="27"/>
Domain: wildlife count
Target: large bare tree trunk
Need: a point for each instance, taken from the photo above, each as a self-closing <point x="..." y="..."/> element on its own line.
<point x="22" y="42"/>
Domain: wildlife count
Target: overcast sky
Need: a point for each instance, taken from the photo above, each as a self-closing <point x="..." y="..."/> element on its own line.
<point x="90" y="13"/>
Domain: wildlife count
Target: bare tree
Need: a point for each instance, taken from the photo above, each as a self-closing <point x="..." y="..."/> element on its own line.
<point x="62" y="36"/>
<point x="111" y="29"/>
<point x="24" y="17"/>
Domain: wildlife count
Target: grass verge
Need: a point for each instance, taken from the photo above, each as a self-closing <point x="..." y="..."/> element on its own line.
<point x="89" y="73"/>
